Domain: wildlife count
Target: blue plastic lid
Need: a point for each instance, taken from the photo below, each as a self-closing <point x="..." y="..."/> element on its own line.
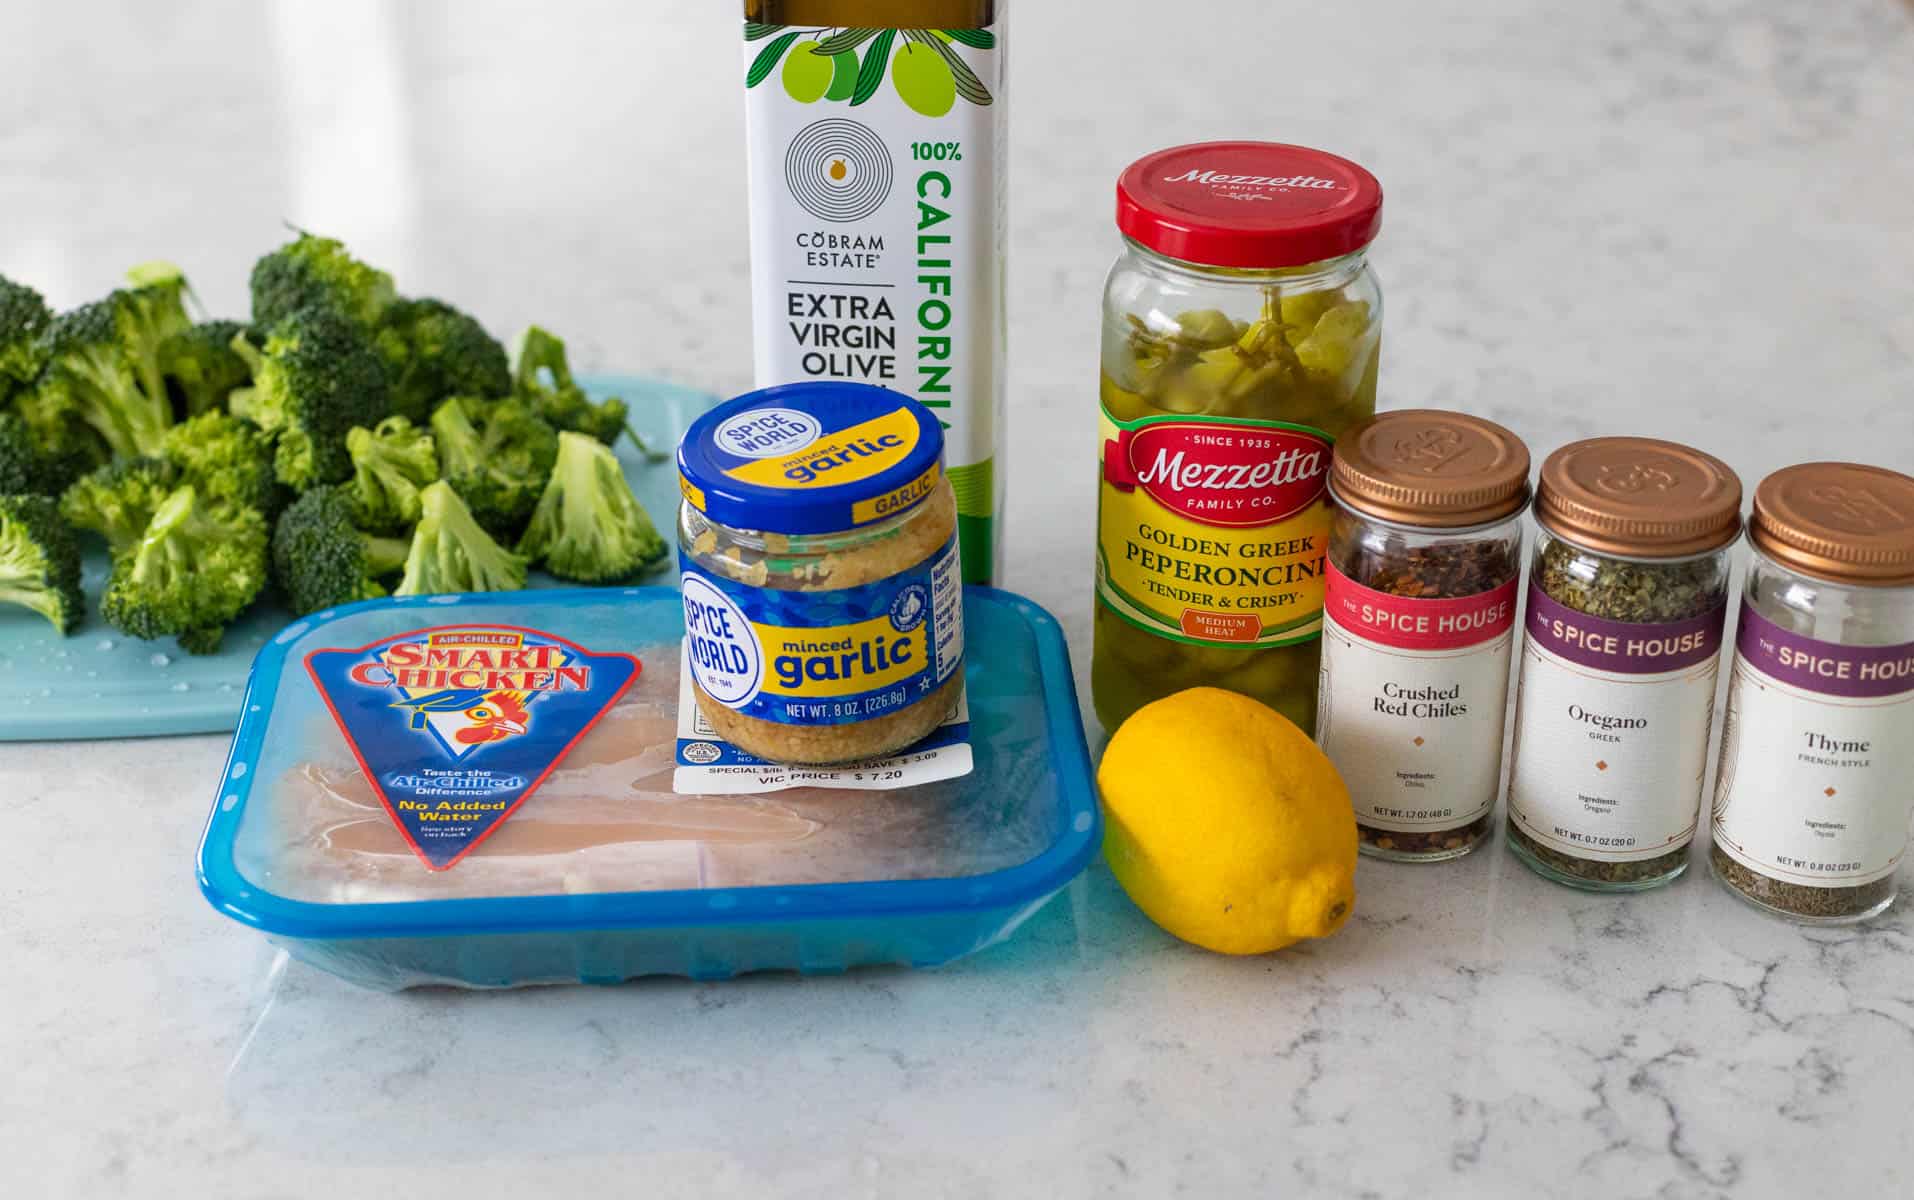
<point x="811" y="458"/>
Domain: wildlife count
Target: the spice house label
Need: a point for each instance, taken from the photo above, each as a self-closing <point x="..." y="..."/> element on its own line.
<point x="1413" y="695"/>
<point x="1829" y="730"/>
<point x="1609" y="712"/>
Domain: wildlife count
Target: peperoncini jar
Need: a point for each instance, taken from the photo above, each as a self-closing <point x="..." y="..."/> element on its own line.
<point x="1242" y="327"/>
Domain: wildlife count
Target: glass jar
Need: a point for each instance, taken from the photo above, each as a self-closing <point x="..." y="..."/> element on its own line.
<point x="1627" y="597"/>
<point x="822" y="589"/>
<point x="1242" y="329"/>
<point x="1816" y="784"/>
<point x="1425" y="548"/>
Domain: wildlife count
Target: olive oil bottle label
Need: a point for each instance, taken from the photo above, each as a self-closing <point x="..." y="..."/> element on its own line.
<point x="1817" y="761"/>
<point x="1412" y="699"/>
<point x="1212" y="530"/>
<point x="877" y="230"/>
<point x="1611" y="730"/>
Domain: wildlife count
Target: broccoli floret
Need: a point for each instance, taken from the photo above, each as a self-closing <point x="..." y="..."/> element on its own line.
<point x="196" y="567"/>
<point x="22" y="471"/>
<point x="321" y="559"/>
<point x="64" y="444"/>
<point x="202" y="368"/>
<point x="588" y="527"/>
<point x="569" y="408"/>
<point x="228" y="460"/>
<point x="543" y="376"/>
<point x="450" y="553"/>
<point x="389" y="466"/>
<point x="497" y="457"/>
<point x="202" y="641"/>
<point x="118" y="500"/>
<point x="317" y="272"/>
<point x="433" y="351"/>
<point x="317" y="377"/>
<point x="103" y="366"/>
<point x="24" y="319"/>
<point x="40" y="561"/>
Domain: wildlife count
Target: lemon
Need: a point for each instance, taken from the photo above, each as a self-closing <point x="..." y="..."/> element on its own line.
<point x="1226" y="824"/>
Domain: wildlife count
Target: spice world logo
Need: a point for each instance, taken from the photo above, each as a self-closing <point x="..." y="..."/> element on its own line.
<point x="1229" y="475"/>
<point x="455" y="727"/>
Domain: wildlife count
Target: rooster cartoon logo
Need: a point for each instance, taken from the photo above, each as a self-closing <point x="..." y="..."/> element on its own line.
<point x="497" y="717"/>
<point x="464" y="719"/>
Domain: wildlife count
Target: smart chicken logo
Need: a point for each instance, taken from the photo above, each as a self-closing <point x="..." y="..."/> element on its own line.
<point x="455" y="727"/>
<point x="469" y="688"/>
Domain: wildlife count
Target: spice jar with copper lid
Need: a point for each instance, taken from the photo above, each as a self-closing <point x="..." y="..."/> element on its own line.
<point x="1626" y="602"/>
<point x="1425" y="548"/>
<point x="1816" y="784"/>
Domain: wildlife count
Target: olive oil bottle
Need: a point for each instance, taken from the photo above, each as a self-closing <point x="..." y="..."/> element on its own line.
<point x="876" y="136"/>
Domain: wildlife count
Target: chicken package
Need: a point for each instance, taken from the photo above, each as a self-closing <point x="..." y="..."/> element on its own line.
<point x="479" y="790"/>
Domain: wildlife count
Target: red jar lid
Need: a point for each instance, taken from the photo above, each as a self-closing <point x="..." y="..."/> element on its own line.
<point x="1248" y="204"/>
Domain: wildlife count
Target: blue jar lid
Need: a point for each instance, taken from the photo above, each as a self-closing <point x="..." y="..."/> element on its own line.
<point x="818" y="457"/>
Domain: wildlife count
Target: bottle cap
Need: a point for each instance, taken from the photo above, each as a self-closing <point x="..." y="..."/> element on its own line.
<point x="1248" y="204"/>
<point x="1423" y="466"/>
<point x="822" y="457"/>
<point x="1842" y="522"/>
<point x="1639" y="498"/>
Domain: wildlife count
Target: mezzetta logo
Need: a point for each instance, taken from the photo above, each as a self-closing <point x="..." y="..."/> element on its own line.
<point x="1218" y="178"/>
<point x="1172" y="470"/>
<point x="1220" y="474"/>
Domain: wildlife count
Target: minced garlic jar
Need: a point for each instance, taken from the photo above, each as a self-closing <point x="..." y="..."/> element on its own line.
<point x="823" y="595"/>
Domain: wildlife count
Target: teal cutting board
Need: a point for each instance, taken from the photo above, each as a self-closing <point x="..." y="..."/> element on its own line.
<point x="99" y="683"/>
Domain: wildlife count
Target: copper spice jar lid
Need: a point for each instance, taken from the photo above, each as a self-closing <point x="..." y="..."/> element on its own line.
<point x="1842" y="522"/>
<point x="1427" y="467"/>
<point x="1639" y="497"/>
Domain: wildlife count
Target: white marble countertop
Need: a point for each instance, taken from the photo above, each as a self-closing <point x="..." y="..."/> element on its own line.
<point x="1686" y="219"/>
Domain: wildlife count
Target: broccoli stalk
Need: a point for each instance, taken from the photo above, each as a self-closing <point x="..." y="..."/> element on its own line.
<point x="117" y="501"/>
<point x="432" y="351"/>
<point x="389" y="466"/>
<point x="542" y="374"/>
<point x="497" y="457"/>
<point x="195" y="569"/>
<point x="321" y="559"/>
<point x="451" y="553"/>
<point x="40" y="561"/>
<point x="588" y="526"/>
<point x="316" y="379"/>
